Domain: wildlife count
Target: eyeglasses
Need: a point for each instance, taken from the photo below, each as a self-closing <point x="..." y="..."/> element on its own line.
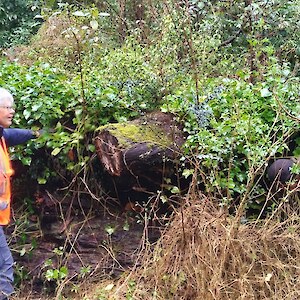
<point x="8" y="107"/>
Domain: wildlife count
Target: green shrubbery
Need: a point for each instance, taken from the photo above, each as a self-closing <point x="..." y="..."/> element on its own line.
<point x="226" y="70"/>
<point x="17" y="21"/>
<point x="74" y="105"/>
<point x="236" y="103"/>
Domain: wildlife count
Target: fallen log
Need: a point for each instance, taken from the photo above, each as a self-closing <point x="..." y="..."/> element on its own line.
<point x="281" y="177"/>
<point x="141" y="155"/>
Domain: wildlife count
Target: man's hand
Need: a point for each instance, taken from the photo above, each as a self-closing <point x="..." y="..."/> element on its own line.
<point x="40" y="132"/>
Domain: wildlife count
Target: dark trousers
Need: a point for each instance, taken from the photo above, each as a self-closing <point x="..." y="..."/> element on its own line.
<point x="6" y="268"/>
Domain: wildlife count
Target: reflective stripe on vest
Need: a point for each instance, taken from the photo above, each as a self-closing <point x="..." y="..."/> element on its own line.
<point x="5" y="174"/>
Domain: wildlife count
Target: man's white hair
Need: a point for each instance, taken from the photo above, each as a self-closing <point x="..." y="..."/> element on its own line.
<point x="5" y="94"/>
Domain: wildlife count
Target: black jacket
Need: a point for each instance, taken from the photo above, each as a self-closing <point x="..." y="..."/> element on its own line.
<point x="16" y="136"/>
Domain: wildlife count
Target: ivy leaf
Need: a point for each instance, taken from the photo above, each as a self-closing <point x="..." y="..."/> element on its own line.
<point x="265" y="93"/>
<point x="63" y="272"/>
<point x="110" y="229"/>
<point x="35" y="107"/>
<point x="164" y="199"/>
<point x="126" y="226"/>
<point x="94" y="24"/>
<point x="175" y="190"/>
<point x="79" y="13"/>
<point x="26" y="114"/>
<point x="42" y="180"/>
<point x="49" y="274"/>
<point x="55" y="151"/>
<point x="187" y="172"/>
<point x="22" y="252"/>
<point x="26" y="161"/>
<point x="103" y="14"/>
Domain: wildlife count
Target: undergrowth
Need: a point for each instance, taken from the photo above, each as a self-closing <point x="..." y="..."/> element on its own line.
<point x="205" y="253"/>
<point x="228" y="71"/>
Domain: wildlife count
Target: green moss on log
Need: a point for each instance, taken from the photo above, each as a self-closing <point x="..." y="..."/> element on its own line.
<point x="128" y="133"/>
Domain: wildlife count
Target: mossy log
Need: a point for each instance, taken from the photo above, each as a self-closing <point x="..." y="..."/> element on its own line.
<point x="140" y="154"/>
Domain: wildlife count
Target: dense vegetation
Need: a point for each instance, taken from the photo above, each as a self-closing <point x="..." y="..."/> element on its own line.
<point x="228" y="70"/>
<point x="18" y="21"/>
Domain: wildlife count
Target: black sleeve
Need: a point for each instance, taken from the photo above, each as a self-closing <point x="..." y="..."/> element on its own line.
<point x="16" y="136"/>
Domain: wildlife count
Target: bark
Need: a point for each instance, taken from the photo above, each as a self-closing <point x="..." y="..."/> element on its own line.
<point x="140" y="154"/>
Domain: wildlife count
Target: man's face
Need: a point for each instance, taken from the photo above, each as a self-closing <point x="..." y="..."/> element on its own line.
<point x="6" y="112"/>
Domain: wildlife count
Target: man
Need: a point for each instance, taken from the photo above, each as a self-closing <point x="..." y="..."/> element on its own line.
<point x="7" y="137"/>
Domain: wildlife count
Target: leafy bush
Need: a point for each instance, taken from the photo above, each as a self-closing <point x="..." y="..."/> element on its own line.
<point x="76" y="104"/>
<point x="17" y="21"/>
<point x="225" y="69"/>
<point x="234" y="128"/>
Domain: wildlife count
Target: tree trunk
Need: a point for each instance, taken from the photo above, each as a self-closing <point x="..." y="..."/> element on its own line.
<point x="140" y="156"/>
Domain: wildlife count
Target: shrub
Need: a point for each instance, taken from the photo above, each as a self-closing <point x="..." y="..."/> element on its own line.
<point x="18" y="22"/>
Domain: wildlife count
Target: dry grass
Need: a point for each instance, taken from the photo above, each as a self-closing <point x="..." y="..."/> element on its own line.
<point x="206" y="254"/>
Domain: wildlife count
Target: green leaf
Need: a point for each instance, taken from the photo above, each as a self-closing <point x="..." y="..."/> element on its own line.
<point x="63" y="272"/>
<point x="175" y="190"/>
<point x="91" y="148"/>
<point x="26" y="114"/>
<point x="126" y="226"/>
<point x="110" y="229"/>
<point x="35" y="107"/>
<point x="48" y="262"/>
<point x="164" y="199"/>
<point x="103" y="14"/>
<point x="187" y="172"/>
<point x="265" y="93"/>
<point x="23" y="251"/>
<point x="80" y="13"/>
<point x="42" y="180"/>
<point x="49" y="274"/>
<point x="26" y="160"/>
<point x="295" y="169"/>
<point x="55" y="151"/>
<point x="94" y="24"/>
<point x="55" y="274"/>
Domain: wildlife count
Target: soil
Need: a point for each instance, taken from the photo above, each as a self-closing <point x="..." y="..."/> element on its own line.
<point x="85" y="238"/>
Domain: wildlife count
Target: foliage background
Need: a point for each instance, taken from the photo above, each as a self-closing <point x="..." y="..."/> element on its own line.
<point x="228" y="70"/>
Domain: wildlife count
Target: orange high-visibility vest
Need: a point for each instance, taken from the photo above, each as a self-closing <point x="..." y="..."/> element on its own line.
<point x="6" y="172"/>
